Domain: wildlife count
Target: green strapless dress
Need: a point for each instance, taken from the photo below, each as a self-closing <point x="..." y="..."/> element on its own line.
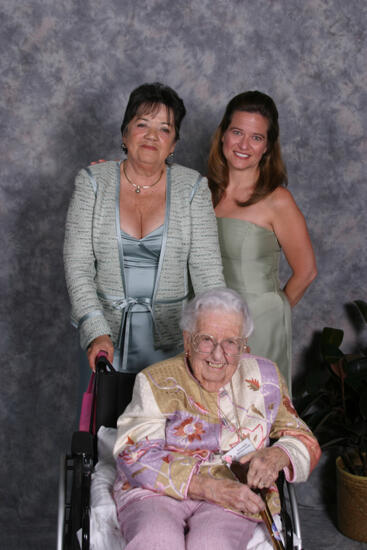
<point x="250" y="255"/>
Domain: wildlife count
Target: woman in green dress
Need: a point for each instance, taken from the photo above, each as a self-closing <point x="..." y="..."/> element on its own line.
<point x="257" y="217"/>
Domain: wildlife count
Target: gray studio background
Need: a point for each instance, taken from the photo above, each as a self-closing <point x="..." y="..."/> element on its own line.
<point x="67" y="68"/>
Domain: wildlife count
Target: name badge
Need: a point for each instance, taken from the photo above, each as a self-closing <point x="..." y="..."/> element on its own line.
<point x="242" y="448"/>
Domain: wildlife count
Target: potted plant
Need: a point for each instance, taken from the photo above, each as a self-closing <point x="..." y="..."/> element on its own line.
<point x="334" y="405"/>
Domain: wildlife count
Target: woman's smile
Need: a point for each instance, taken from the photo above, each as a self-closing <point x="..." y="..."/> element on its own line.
<point x="216" y="365"/>
<point x="150" y="147"/>
<point x="242" y="155"/>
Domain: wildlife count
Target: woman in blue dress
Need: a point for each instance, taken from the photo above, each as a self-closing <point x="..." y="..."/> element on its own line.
<point x="140" y="236"/>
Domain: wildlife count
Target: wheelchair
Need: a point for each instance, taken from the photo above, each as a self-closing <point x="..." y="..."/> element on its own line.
<point x="79" y="470"/>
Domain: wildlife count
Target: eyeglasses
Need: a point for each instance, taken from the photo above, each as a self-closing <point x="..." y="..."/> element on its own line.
<point x="204" y="343"/>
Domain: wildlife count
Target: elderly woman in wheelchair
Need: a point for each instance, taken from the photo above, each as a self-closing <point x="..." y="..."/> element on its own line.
<point x="190" y="420"/>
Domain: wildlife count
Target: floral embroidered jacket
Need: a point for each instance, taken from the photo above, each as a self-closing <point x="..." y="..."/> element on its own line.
<point x="173" y="428"/>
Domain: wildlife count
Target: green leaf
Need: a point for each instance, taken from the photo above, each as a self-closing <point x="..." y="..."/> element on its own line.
<point x="332" y="336"/>
<point x="331" y="339"/>
<point x="331" y="354"/>
<point x="362" y="306"/>
<point x="355" y="371"/>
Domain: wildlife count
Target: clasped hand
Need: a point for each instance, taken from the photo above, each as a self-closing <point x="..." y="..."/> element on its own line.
<point x="264" y="466"/>
<point x="263" y="471"/>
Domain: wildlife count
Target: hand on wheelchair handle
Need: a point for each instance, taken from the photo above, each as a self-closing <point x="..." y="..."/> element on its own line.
<point x="100" y="345"/>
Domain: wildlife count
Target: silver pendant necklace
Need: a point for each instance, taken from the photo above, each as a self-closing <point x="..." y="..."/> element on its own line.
<point x="136" y="186"/>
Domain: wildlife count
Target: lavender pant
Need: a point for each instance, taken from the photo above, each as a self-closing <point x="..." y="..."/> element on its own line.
<point x="163" y="523"/>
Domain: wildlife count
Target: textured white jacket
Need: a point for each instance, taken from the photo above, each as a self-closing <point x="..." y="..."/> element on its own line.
<point x="93" y="253"/>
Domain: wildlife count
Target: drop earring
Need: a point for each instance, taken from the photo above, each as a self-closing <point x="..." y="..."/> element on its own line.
<point x="169" y="159"/>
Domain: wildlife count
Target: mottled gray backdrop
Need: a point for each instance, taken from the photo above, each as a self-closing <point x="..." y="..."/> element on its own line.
<point x="67" y="68"/>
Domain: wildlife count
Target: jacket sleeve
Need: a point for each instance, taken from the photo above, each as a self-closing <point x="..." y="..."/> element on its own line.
<point x="79" y="262"/>
<point x="205" y="262"/>
<point x="295" y="438"/>
<point x="141" y="452"/>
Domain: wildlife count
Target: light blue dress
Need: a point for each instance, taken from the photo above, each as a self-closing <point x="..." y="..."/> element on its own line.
<point x="141" y="258"/>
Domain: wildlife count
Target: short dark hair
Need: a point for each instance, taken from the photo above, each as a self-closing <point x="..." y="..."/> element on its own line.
<point x="148" y="97"/>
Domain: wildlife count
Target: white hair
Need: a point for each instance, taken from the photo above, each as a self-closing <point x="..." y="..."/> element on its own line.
<point x="223" y="299"/>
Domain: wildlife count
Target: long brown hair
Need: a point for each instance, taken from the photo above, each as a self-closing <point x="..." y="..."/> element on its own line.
<point x="273" y="172"/>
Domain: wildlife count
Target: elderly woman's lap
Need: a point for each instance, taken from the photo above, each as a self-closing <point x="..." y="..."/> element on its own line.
<point x="213" y="527"/>
<point x="166" y="523"/>
<point x="157" y="522"/>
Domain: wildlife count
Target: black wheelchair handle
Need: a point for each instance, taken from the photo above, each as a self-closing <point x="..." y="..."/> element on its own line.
<point x="103" y="364"/>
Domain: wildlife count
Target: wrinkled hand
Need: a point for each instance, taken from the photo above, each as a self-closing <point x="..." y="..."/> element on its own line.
<point x="265" y="465"/>
<point x="101" y="343"/>
<point x="226" y="493"/>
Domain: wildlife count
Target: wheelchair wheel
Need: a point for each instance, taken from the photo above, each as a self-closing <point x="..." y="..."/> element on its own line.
<point x="296" y="522"/>
<point x="74" y="494"/>
<point x="68" y="507"/>
<point x="61" y="504"/>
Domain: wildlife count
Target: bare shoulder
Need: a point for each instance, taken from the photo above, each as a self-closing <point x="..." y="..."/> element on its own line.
<point x="281" y="198"/>
<point x="281" y="201"/>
